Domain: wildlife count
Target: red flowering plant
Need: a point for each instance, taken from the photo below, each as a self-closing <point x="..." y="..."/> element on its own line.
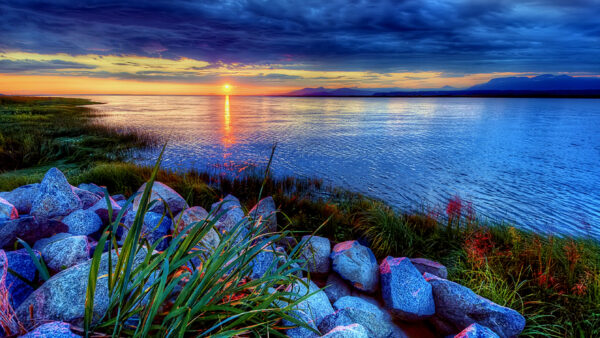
<point x="478" y="246"/>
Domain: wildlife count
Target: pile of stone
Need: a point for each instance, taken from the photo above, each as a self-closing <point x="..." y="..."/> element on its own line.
<point x="361" y="296"/>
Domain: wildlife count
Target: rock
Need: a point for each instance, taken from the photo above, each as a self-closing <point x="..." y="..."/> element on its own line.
<point x="299" y="331"/>
<point x="348" y="331"/>
<point x="288" y="243"/>
<point x="55" y="197"/>
<point x="22" y="197"/>
<point x="316" y="252"/>
<point x="459" y="306"/>
<point x="162" y="194"/>
<point x="426" y="265"/>
<point x="87" y="198"/>
<point x="229" y="212"/>
<point x="28" y="229"/>
<point x="356" y="264"/>
<point x="91" y="187"/>
<point x="263" y="263"/>
<point x="63" y="250"/>
<point x="83" y="222"/>
<point x="101" y="209"/>
<point x="338" y="318"/>
<point x="155" y="227"/>
<point x="336" y="288"/>
<point x="189" y="216"/>
<point x="377" y="322"/>
<point x="264" y="213"/>
<point x="404" y="290"/>
<point x="476" y="331"/>
<point x="52" y="329"/>
<point x="119" y="197"/>
<point x="20" y="262"/>
<point x="7" y="210"/>
<point x="62" y="297"/>
<point x="316" y="306"/>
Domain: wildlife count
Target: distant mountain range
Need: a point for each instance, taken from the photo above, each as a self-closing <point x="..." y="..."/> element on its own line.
<point x="547" y="85"/>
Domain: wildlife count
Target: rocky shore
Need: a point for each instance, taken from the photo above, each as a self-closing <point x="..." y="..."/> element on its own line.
<point x="351" y="294"/>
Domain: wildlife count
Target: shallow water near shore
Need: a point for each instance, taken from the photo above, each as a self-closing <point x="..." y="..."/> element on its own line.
<point x="534" y="162"/>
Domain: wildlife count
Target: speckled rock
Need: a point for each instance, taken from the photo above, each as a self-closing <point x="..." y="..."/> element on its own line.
<point x="476" y="331"/>
<point x="377" y="322"/>
<point x="263" y="262"/>
<point x="189" y="216"/>
<point x="19" y="261"/>
<point x="118" y="197"/>
<point x="264" y="214"/>
<point x="161" y="193"/>
<point x="315" y="307"/>
<point x="460" y="307"/>
<point x="94" y="188"/>
<point x="7" y="210"/>
<point x="338" y="318"/>
<point x="62" y="297"/>
<point x="229" y="213"/>
<point x="426" y="265"/>
<point x="348" y="331"/>
<point x="22" y="197"/>
<point x="87" y="198"/>
<point x="336" y="288"/>
<point x="83" y="222"/>
<point x="55" y="197"/>
<point x="101" y="209"/>
<point x="63" y="250"/>
<point x="52" y="330"/>
<point x="28" y="229"/>
<point x="405" y="292"/>
<point x="156" y="227"/>
<point x="300" y="331"/>
<point x="316" y="252"/>
<point x="356" y="264"/>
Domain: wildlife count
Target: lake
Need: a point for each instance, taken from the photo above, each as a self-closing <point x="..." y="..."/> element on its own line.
<point x="533" y="162"/>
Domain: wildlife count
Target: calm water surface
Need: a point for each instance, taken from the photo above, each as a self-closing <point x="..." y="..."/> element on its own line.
<point x="535" y="162"/>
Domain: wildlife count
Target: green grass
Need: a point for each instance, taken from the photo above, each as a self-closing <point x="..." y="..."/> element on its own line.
<point x="37" y="131"/>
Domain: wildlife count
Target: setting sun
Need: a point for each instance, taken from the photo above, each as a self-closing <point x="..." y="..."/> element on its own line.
<point x="226" y="88"/>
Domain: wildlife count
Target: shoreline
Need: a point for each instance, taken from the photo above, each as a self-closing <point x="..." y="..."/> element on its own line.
<point x="538" y="273"/>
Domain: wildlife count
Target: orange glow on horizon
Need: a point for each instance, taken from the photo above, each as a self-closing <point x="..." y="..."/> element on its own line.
<point x="11" y="84"/>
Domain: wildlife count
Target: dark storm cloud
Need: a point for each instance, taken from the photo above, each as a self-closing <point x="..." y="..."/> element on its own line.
<point x="452" y="36"/>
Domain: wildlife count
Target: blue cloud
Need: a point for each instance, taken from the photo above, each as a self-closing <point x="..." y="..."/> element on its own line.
<point x="448" y="35"/>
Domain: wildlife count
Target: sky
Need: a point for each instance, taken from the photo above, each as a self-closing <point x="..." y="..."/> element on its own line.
<point x="273" y="47"/>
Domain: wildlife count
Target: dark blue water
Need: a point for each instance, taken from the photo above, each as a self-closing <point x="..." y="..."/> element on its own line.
<point x="534" y="162"/>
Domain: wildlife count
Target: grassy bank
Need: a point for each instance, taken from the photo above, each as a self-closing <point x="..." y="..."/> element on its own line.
<point x="554" y="282"/>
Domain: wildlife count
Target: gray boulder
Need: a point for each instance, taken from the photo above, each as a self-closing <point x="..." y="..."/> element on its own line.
<point x="161" y="194"/>
<point x="55" y="197"/>
<point x="263" y="263"/>
<point x="460" y="307"/>
<point x="300" y="331"/>
<point x="264" y="214"/>
<point x="356" y="264"/>
<point x="336" y="288"/>
<point x="229" y="212"/>
<point x="118" y="197"/>
<point x="338" y="318"/>
<point x="28" y="229"/>
<point x="426" y="265"/>
<point x="476" y="331"/>
<point x="187" y="217"/>
<point x="62" y="297"/>
<point x="87" y="198"/>
<point x="348" y="331"/>
<point x="91" y="187"/>
<point x="405" y="292"/>
<point x="316" y="307"/>
<point x="7" y="210"/>
<point x="101" y="209"/>
<point x="316" y="253"/>
<point x="52" y="329"/>
<point x="22" y="197"/>
<point x="83" y="222"/>
<point x="63" y="250"/>
<point x="20" y="262"/>
<point x="377" y="322"/>
<point x="155" y="228"/>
